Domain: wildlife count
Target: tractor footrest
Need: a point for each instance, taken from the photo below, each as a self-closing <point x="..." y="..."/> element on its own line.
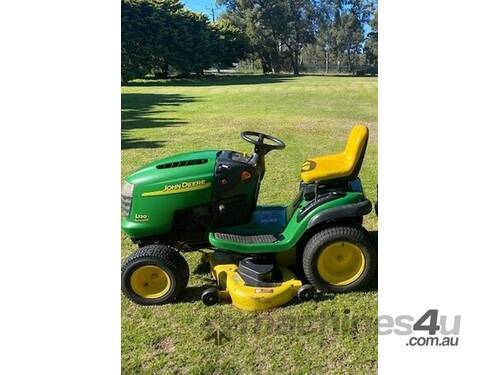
<point x="259" y="238"/>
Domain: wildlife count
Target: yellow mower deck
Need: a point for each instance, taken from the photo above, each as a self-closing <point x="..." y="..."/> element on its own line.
<point x="250" y="298"/>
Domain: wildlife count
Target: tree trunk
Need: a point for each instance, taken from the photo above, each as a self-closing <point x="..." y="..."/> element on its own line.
<point x="275" y="63"/>
<point x="349" y="61"/>
<point x="327" y="60"/>
<point x="295" y="62"/>
<point x="265" y="65"/>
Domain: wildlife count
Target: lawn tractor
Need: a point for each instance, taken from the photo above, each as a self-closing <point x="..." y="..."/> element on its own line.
<point x="260" y="256"/>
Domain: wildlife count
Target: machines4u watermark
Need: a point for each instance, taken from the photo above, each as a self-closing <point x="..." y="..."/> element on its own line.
<point x="430" y="329"/>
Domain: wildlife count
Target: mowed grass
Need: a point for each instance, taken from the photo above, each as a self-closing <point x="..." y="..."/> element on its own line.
<point x="313" y="115"/>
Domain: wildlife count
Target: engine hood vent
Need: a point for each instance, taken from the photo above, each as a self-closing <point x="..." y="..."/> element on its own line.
<point x="181" y="163"/>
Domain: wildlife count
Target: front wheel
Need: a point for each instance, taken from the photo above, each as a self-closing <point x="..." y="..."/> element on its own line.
<point x="339" y="259"/>
<point x="154" y="275"/>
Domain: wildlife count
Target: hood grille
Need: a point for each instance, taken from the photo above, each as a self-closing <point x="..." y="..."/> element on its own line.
<point x="126" y="204"/>
<point x="182" y="163"/>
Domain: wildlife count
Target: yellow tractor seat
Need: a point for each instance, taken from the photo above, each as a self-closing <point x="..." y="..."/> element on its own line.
<point x="345" y="165"/>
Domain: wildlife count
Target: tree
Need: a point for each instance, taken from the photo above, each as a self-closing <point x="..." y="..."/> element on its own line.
<point x="299" y="28"/>
<point x="194" y="43"/>
<point x="261" y="22"/>
<point x="139" y="42"/>
<point x="148" y="27"/>
<point x="371" y="44"/>
<point x="348" y="37"/>
<point x="231" y="44"/>
<point x="160" y="36"/>
<point x="325" y="40"/>
<point x="348" y="28"/>
<point x="276" y="28"/>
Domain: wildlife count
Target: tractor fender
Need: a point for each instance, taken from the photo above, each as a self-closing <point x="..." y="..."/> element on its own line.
<point x="347" y="211"/>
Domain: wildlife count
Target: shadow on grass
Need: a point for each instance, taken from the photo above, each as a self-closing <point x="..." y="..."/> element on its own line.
<point x="215" y="80"/>
<point x="338" y="75"/>
<point x="140" y="111"/>
<point x="202" y="268"/>
<point x="193" y="293"/>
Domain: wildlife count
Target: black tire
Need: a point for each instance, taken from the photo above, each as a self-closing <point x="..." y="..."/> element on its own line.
<point x="168" y="260"/>
<point x="358" y="220"/>
<point x="306" y="293"/>
<point x="210" y="296"/>
<point x="318" y="242"/>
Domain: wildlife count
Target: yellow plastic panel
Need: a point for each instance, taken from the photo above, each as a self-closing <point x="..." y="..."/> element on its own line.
<point x="251" y="298"/>
<point x="333" y="166"/>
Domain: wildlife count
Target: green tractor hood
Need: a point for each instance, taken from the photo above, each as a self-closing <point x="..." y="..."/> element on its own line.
<point x="179" y="167"/>
<point x="176" y="182"/>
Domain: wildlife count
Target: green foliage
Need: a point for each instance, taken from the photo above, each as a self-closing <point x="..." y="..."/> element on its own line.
<point x="371" y="45"/>
<point x="231" y="44"/>
<point x="300" y="17"/>
<point x="348" y="36"/>
<point x="283" y="32"/>
<point x="160" y="36"/>
<point x="342" y="37"/>
<point x="277" y="29"/>
<point x="140" y="46"/>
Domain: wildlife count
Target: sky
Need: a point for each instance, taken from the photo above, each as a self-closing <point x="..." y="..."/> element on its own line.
<point x="203" y="6"/>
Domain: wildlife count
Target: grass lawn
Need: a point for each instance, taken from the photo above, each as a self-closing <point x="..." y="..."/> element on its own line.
<point x="313" y="115"/>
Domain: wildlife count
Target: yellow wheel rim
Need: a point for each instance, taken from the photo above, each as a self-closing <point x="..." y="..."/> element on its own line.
<point x="341" y="263"/>
<point x="150" y="282"/>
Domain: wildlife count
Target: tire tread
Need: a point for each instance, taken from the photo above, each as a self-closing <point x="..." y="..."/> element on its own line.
<point x="168" y="255"/>
<point x="347" y="233"/>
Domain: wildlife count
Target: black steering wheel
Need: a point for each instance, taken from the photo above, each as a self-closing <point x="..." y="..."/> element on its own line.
<point x="258" y="139"/>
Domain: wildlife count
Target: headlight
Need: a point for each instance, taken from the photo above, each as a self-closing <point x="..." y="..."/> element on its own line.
<point x="127" y="189"/>
<point x="127" y="192"/>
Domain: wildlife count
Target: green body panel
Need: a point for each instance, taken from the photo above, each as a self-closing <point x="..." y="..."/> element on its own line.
<point x="290" y="235"/>
<point x="152" y="215"/>
<point x="159" y="192"/>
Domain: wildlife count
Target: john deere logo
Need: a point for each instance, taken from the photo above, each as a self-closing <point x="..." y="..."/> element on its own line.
<point x="180" y="188"/>
<point x="308" y="165"/>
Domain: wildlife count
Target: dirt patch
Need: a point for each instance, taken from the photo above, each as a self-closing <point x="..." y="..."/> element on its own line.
<point x="164" y="346"/>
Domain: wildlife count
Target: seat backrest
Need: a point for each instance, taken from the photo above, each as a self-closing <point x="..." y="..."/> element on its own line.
<point x="340" y="167"/>
<point x="356" y="142"/>
<point x="355" y="147"/>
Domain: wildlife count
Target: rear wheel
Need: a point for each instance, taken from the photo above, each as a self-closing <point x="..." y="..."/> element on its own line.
<point x="339" y="259"/>
<point x="154" y="275"/>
